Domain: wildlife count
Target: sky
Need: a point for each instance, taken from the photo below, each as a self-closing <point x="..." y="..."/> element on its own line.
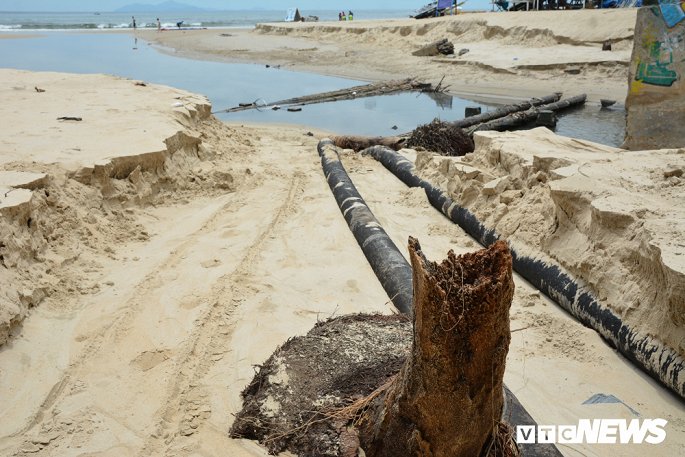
<point x="109" y="5"/>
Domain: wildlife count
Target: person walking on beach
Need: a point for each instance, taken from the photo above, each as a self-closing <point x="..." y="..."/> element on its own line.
<point x="134" y="22"/>
<point x="159" y="25"/>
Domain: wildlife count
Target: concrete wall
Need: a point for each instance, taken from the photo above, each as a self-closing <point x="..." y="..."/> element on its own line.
<point x="656" y="96"/>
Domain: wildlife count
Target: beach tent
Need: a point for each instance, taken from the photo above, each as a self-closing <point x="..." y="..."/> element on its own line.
<point x="293" y="15"/>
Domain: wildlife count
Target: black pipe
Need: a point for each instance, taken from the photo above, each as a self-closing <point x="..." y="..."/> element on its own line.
<point x="395" y="273"/>
<point x="390" y="266"/>
<point x="659" y="361"/>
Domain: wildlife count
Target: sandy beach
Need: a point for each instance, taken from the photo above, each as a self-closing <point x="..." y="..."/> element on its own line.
<point x="151" y="256"/>
<point x="509" y="55"/>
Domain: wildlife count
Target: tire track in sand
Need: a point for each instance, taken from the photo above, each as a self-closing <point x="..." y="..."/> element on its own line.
<point x="117" y="327"/>
<point x="186" y="406"/>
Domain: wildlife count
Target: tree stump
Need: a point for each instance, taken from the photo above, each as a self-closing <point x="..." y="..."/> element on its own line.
<point x="371" y="383"/>
<point x="448" y="398"/>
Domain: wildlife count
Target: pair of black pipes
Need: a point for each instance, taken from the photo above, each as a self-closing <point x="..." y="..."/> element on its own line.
<point x="659" y="361"/>
<point x="394" y="272"/>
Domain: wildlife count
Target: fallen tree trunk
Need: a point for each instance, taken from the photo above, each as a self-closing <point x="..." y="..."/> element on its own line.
<point x="505" y="111"/>
<point x="367" y="90"/>
<point x="447" y="400"/>
<point x="358" y="143"/>
<point x="523" y="117"/>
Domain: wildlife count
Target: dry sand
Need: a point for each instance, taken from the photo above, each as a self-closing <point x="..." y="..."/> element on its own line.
<point x="510" y="55"/>
<point x="163" y="256"/>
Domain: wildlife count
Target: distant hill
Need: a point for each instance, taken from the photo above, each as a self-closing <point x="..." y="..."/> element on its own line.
<point x="164" y="6"/>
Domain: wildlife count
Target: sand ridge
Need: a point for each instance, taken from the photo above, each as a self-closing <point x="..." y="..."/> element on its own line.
<point x="526" y="53"/>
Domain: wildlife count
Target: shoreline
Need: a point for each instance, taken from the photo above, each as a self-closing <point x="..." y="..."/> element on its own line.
<point x="346" y="50"/>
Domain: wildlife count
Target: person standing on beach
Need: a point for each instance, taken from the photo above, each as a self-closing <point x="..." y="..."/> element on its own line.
<point x="350" y="16"/>
<point x="159" y="25"/>
<point x="134" y="22"/>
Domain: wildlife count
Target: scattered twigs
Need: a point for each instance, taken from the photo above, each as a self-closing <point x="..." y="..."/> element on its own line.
<point x="367" y="90"/>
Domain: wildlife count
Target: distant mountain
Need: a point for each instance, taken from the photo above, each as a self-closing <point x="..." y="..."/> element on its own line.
<point x="164" y="6"/>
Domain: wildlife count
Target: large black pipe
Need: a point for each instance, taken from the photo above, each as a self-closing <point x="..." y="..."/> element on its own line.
<point x="390" y="266"/>
<point x="661" y="362"/>
<point x="395" y="273"/>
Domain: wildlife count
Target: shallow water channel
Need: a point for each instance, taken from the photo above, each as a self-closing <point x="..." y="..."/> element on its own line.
<point x="228" y="84"/>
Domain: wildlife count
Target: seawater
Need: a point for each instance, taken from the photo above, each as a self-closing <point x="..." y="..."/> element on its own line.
<point x="14" y="21"/>
<point x="226" y="85"/>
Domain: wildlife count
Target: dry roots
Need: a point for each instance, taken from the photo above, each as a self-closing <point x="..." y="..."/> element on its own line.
<point x="441" y="137"/>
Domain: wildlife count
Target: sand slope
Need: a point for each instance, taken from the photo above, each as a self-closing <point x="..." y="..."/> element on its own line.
<point x="612" y="218"/>
<point x="522" y="54"/>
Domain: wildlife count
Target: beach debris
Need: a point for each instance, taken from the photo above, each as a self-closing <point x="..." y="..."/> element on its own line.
<point x="359" y="143"/>
<point x="673" y="171"/>
<point x="373" y="383"/>
<point x="294" y="109"/>
<point x="520" y="118"/>
<point x="275" y="107"/>
<point x="572" y="71"/>
<point x="606" y="102"/>
<point x="506" y="110"/>
<point x="69" y="118"/>
<point x="441" y="137"/>
<point x="140" y="83"/>
<point x="546" y="118"/>
<point x="227" y="35"/>
<point x="309" y="134"/>
<point x="472" y="111"/>
<point x="606" y="46"/>
<point x="444" y="47"/>
<point x="38" y="89"/>
<point x="394" y="127"/>
<point x="463" y="51"/>
<point x="367" y="90"/>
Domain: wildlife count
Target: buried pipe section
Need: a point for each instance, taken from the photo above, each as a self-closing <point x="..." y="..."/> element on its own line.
<point x="661" y="362"/>
<point x="394" y="272"/>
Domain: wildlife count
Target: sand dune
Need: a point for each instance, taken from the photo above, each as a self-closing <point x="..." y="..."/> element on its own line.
<point x="525" y="53"/>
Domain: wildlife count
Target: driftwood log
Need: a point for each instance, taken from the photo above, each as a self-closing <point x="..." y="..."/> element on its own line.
<point x="530" y="115"/>
<point x="443" y="46"/>
<point x="506" y="110"/>
<point x="359" y="143"/>
<point x="370" y="382"/>
<point x="367" y="90"/>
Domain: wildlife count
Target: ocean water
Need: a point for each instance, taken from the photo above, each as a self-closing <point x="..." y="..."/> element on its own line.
<point x="20" y="21"/>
